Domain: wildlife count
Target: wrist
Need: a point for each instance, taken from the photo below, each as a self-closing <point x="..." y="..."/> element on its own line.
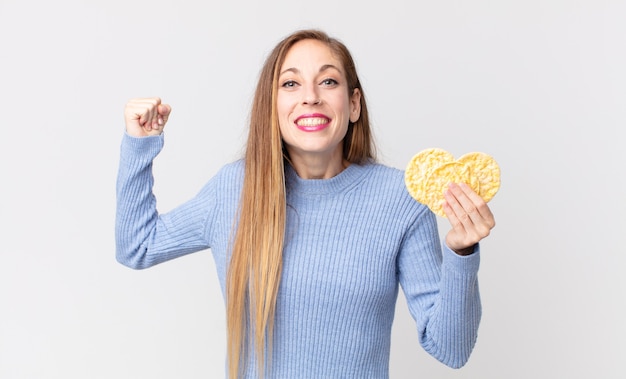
<point x="465" y="251"/>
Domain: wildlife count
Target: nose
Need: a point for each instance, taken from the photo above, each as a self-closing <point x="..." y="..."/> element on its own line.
<point x="317" y="101"/>
<point x="311" y="97"/>
<point x="313" y="101"/>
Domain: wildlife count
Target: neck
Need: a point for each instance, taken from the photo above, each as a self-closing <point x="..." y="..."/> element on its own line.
<point x="318" y="166"/>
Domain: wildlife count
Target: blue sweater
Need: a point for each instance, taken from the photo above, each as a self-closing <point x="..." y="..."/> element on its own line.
<point x="350" y="242"/>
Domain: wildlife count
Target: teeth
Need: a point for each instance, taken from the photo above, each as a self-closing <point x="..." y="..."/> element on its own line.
<point x="312" y="121"/>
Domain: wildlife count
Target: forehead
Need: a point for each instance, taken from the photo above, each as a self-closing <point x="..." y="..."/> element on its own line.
<point x="310" y="52"/>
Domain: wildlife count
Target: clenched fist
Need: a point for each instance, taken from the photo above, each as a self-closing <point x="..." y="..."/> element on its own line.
<point x="146" y="116"/>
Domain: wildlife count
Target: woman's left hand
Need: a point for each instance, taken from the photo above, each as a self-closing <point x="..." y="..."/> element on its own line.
<point x="470" y="218"/>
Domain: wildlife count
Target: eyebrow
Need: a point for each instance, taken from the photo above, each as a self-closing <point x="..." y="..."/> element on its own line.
<point x="322" y="69"/>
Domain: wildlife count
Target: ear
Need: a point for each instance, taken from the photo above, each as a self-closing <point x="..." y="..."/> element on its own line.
<point x="355" y="105"/>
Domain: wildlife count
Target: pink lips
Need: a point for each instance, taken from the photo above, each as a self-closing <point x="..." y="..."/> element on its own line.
<point x="312" y="122"/>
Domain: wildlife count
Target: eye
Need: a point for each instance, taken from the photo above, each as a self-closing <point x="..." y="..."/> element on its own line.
<point x="329" y="82"/>
<point x="289" y="84"/>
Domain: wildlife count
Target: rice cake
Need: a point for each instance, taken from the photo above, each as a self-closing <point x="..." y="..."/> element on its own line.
<point x="430" y="171"/>
<point x="439" y="179"/>
<point x="486" y="170"/>
<point x="420" y="166"/>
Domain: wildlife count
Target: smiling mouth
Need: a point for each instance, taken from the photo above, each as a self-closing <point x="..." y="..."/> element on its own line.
<point x="312" y="121"/>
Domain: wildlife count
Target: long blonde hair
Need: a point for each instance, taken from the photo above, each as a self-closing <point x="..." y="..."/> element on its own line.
<point x="255" y="267"/>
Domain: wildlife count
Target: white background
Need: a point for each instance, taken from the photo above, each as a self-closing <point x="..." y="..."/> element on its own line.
<point x="538" y="84"/>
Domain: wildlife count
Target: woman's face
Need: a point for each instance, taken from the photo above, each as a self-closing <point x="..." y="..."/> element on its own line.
<point x="314" y="107"/>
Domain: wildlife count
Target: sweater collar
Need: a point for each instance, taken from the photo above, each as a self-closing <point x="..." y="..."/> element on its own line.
<point x="341" y="182"/>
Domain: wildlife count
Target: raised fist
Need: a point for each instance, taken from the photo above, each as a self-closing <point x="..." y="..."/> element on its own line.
<point x="146" y="116"/>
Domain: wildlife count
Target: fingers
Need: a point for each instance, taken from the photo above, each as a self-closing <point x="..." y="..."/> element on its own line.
<point x="148" y="112"/>
<point x="146" y="116"/>
<point x="470" y="217"/>
<point x="466" y="203"/>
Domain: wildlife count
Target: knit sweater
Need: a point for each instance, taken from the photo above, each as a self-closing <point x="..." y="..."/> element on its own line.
<point x="350" y="241"/>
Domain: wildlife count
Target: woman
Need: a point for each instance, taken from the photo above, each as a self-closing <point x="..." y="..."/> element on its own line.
<point x="310" y="236"/>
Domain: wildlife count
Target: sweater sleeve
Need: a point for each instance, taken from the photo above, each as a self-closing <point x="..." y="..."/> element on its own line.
<point x="143" y="237"/>
<point x="442" y="294"/>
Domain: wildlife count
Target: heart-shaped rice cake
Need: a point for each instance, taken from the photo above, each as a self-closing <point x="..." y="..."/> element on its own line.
<point x="430" y="171"/>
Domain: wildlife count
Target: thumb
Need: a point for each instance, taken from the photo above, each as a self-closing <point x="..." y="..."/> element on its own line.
<point x="164" y="111"/>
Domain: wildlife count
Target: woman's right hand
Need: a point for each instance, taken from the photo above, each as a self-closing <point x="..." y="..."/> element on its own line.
<point x="146" y="116"/>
